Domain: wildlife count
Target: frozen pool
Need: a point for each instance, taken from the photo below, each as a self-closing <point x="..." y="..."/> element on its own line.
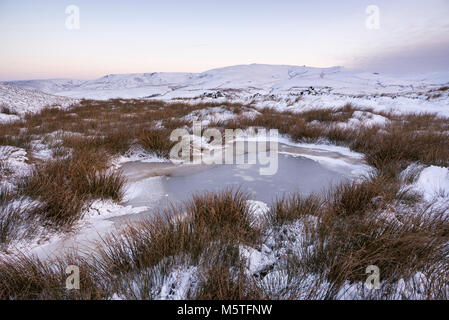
<point x="156" y="185"/>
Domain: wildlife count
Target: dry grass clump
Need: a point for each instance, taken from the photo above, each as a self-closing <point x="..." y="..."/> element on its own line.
<point x="342" y="114"/>
<point x="156" y="140"/>
<point x="7" y="110"/>
<point x="146" y="244"/>
<point x="25" y="278"/>
<point x="397" y="146"/>
<point x="9" y="218"/>
<point x="10" y="221"/>
<point x="213" y="217"/>
<point x="400" y="248"/>
<point x="21" y="140"/>
<point x="16" y="223"/>
<point x="63" y="186"/>
<point x="357" y="225"/>
<point x="220" y="283"/>
<point x="356" y="198"/>
<point x="225" y="216"/>
<point x="291" y="208"/>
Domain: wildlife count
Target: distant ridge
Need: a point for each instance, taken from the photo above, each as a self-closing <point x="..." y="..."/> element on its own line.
<point x="252" y="78"/>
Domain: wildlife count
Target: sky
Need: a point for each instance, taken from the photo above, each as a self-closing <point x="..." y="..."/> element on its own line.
<point x="401" y="36"/>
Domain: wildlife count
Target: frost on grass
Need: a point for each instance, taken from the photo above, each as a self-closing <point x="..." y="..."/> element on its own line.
<point x="216" y="115"/>
<point x="137" y="153"/>
<point x="13" y="165"/>
<point x="364" y="118"/>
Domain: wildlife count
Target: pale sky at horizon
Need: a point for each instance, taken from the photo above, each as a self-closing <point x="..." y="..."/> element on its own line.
<point x="197" y="35"/>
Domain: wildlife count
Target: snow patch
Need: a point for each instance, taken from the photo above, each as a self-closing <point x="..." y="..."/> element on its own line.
<point x="178" y="284"/>
<point x="88" y="231"/>
<point x="137" y="153"/>
<point x="256" y="261"/>
<point x="13" y="165"/>
<point x="433" y="184"/>
<point x="364" y="118"/>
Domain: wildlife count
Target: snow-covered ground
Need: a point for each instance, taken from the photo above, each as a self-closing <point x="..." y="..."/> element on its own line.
<point x="20" y="101"/>
<point x="433" y="184"/>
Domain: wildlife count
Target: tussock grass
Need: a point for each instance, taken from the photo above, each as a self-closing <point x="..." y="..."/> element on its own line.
<point x="7" y="110"/>
<point x="357" y="226"/>
<point x="9" y="218"/>
<point x="220" y="283"/>
<point x="396" y="146"/>
<point x="342" y="114"/>
<point x="355" y="198"/>
<point x="398" y="248"/>
<point x="16" y="223"/>
<point x="25" y="278"/>
<point x="213" y="217"/>
<point x="64" y="186"/>
<point x="156" y="140"/>
<point x="224" y="215"/>
<point x="291" y="208"/>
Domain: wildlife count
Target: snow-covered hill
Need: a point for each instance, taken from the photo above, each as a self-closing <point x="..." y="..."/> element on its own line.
<point x="254" y="78"/>
<point x="18" y="100"/>
<point x="48" y="86"/>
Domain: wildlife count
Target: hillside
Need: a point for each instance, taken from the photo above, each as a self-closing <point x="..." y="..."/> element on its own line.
<point x="19" y="100"/>
<point x="251" y="79"/>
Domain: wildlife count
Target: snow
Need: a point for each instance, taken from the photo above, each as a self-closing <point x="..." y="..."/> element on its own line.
<point x="258" y="208"/>
<point x="256" y="261"/>
<point x="138" y="192"/>
<point x="268" y="264"/>
<point x="365" y="118"/>
<point x="433" y="184"/>
<point x="41" y="151"/>
<point x="410" y="289"/>
<point x="345" y="151"/>
<point x="338" y="158"/>
<point x="178" y="283"/>
<point x="21" y="100"/>
<point x="13" y="165"/>
<point x="4" y="118"/>
<point x="88" y="231"/>
<point x="106" y="209"/>
<point x="136" y="153"/>
<point x="215" y="114"/>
